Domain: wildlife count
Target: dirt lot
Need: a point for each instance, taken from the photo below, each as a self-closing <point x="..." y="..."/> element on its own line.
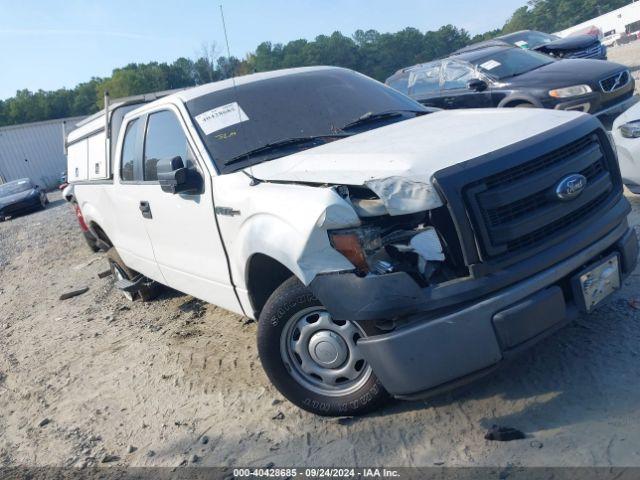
<point x="176" y="382"/>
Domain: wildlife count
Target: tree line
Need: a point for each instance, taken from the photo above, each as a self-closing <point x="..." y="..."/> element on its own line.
<point x="370" y="52"/>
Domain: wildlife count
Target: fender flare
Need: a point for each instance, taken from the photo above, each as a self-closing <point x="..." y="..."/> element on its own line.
<point x="520" y="98"/>
<point x="93" y="217"/>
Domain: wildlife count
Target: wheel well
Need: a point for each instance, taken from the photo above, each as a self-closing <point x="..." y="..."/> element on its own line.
<point x="264" y="276"/>
<point x="99" y="232"/>
<point x="514" y="103"/>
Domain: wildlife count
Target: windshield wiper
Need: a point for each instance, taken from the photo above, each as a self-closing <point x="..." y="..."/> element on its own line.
<point x="374" y="117"/>
<point x="279" y="144"/>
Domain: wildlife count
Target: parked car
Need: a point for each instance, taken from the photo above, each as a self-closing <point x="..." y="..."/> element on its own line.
<point x="20" y="196"/>
<point x="504" y="76"/>
<point x="385" y="250"/>
<point x="626" y="134"/>
<point x="575" y="46"/>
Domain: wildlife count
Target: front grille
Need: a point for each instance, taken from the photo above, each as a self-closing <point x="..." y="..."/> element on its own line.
<point x="541" y="163"/>
<point x="591" y="52"/>
<point x="519" y="208"/>
<point x="615" y="82"/>
<point x="512" y="211"/>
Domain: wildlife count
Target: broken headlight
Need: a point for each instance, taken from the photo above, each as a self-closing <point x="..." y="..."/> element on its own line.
<point x="372" y="249"/>
<point x="357" y="245"/>
<point x="630" y="129"/>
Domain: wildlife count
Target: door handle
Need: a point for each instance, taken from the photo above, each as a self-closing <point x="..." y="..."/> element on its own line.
<point x="145" y="209"/>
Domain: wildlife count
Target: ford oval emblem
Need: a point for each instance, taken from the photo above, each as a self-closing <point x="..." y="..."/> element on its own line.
<point x="570" y="187"/>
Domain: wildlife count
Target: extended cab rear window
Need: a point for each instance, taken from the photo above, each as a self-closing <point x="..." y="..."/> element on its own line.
<point x="128" y="164"/>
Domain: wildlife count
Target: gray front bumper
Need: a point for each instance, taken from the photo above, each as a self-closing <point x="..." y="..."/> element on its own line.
<point x="433" y="353"/>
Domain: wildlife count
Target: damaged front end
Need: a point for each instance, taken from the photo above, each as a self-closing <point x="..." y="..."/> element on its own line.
<point x="400" y="248"/>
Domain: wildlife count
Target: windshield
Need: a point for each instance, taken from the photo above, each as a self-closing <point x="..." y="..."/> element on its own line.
<point x="529" y="39"/>
<point x="313" y="104"/>
<point x="511" y="62"/>
<point x="17" y="186"/>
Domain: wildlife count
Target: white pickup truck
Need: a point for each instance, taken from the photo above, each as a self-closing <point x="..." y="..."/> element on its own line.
<point x="386" y="249"/>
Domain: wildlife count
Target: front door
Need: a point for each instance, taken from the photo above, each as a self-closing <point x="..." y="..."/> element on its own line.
<point x="128" y="232"/>
<point x="182" y="227"/>
<point x="455" y="93"/>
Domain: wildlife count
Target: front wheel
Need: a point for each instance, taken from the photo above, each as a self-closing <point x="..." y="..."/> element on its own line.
<point x="313" y="359"/>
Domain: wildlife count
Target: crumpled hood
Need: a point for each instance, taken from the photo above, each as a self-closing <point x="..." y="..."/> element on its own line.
<point x="398" y="161"/>
<point x="16" y="197"/>
<point x="574" y="42"/>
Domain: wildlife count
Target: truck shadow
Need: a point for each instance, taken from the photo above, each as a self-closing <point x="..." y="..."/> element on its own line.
<point x="585" y="372"/>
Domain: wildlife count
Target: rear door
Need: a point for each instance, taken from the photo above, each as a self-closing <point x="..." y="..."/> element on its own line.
<point x="182" y="227"/>
<point x="130" y="235"/>
<point x="455" y="93"/>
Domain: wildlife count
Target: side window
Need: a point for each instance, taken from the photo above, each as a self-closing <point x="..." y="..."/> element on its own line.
<point x="456" y="75"/>
<point x="127" y="168"/>
<point x="164" y="139"/>
<point x="425" y="79"/>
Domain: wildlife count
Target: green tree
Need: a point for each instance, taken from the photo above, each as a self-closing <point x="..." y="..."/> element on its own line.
<point x="368" y="51"/>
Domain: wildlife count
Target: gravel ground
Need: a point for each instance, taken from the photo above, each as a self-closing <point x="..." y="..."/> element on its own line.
<point x="175" y="381"/>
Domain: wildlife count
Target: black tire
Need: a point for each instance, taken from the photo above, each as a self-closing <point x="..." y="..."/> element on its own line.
<point x="524" y="105"/>
<point x="146" y="293"/>
<point x="91" y="244"/>
<point x="288" y="300"/>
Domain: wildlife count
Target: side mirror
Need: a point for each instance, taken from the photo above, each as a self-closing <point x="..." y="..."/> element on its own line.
<point x="477" y="85"/>
<point x="173" y="176"/>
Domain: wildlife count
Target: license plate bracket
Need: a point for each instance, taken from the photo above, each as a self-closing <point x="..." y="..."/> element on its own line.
<point x="596" y="282"/>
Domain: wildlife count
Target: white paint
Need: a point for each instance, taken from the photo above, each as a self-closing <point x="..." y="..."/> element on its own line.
<point x="401" y="195"/>
<point x="221" y="117"/>
<point x="615" y="21"/>
<point x="427" y="245"/>
<point x="628" y="148"/>
<point x="77" y="161"/>
<point x="97" y="156"/>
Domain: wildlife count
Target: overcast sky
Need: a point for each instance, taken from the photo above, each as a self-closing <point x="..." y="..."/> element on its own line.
<point x="50" y="44"/>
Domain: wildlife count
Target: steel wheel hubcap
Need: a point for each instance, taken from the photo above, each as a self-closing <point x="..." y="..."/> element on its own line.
<point x="322" y="354"/>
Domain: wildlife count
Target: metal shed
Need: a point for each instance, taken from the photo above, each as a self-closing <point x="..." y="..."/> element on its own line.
<point x="35" y="150"/>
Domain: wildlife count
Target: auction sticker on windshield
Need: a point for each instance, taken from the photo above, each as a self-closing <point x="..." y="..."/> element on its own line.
<point x="490" y="65"/>
<point x="221" y="117"/>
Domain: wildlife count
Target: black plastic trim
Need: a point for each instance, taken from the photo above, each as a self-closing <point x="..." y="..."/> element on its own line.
<point x="350" y="297"/>
<point x="452" y="183"/>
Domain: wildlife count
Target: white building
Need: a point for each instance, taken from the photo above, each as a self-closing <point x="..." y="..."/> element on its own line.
<point x="620" y="21"/>
<point x="35" y="150"/>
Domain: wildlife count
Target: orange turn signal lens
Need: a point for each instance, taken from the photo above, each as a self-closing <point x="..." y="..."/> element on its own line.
<point x="348" y="244"/>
